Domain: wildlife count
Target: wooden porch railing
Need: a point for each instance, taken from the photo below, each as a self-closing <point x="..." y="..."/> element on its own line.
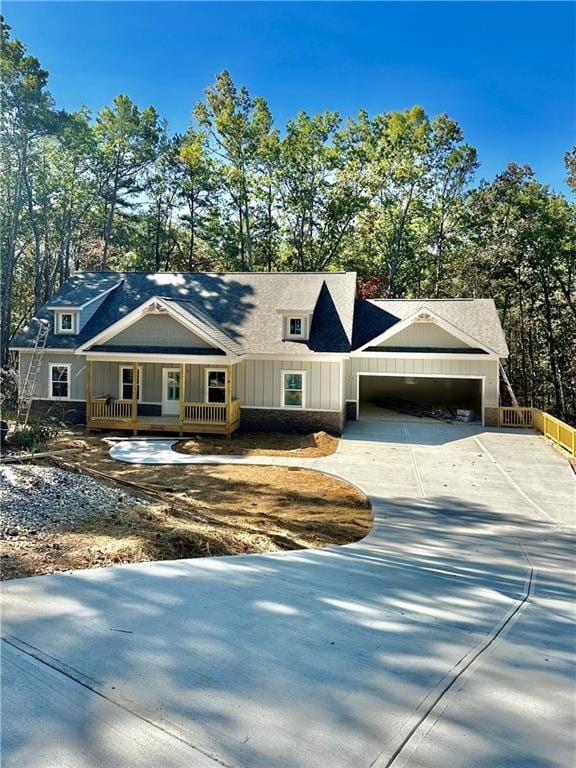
<point x="560" y="433"/>
<point x="235" y="412"/>
<point x="205" y="413"/>
<point x="110" y="409"/>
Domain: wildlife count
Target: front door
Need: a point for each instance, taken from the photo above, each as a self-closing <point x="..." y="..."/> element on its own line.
<point x="170" y="391"/>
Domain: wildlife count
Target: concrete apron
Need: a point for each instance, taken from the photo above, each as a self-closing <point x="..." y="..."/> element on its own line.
<point x="455" y="612"/>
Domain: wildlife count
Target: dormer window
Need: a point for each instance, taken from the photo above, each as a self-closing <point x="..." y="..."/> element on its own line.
<point x="65" y="322"/>
<point x="295" y="326"/>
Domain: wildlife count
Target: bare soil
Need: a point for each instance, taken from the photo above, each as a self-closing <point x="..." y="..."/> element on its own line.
<point x="192" y="511"/>
<point x="262" y="444"/>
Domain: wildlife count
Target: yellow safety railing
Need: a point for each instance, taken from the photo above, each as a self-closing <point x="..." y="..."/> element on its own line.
<point x="560" y="433"/>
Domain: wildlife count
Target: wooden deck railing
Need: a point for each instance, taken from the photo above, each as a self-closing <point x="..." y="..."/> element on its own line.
<point x="101" y="409"/>
<point x="560" y="433"/>
<point x="235" y="412"/>
<point x="208" y="413"/>
<point x="516" y="417"/>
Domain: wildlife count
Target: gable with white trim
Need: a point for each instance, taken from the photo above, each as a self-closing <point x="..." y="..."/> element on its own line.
<point x="158" y="331"/>
<point x="423" y="335"/>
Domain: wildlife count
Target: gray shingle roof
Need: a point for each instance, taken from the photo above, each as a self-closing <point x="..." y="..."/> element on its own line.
<point x="476" y="317"/>
<point x="241" y="306"/>
<point x="83" y="287"/>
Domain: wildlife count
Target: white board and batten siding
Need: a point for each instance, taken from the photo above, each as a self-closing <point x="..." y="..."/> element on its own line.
<point x="42" y="387"/>
<point x="258" y="383"/>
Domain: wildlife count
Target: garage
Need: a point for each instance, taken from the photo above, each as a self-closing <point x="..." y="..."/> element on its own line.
<point x="382" y="397"/>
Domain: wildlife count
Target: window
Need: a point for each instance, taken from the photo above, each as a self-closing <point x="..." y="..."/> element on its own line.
<point x="59" y="381"/>
<point x="215" y="386"/>
<point x="295" y="326"/>
<point x="127" y="383"/>
<point x="293" y="389"/>
<point x="65" y="322"/>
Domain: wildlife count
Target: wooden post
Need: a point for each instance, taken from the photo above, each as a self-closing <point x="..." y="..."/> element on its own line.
<point x="229" y="401"/>
<point x="182" y="395"/>
<point x="134" y="407"/>
<point x="88" y="395"/>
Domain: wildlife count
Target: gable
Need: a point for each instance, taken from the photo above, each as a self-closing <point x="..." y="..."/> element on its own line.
<point x="158" y="331"/>
<point x="423" y="335"/>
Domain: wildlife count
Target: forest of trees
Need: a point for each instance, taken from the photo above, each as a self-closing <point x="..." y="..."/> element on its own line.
<point x="393" y="196"/>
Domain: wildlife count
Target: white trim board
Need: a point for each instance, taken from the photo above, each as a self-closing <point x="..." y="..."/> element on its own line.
<point x="138" y="313"/>
<point x="440" y="321"/>
<point x="483" y="405"/>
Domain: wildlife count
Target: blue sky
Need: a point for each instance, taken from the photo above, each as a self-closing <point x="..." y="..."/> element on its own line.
<point x="505" y="71"/>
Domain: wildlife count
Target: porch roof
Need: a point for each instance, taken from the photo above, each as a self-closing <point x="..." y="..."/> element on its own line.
<point x="151" y="350"/>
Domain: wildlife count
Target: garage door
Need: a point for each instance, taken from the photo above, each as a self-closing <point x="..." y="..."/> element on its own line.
<point x="380" y="396"/>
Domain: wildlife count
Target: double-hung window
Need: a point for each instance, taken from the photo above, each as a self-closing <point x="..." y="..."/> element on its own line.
<point x="293" y="384"/>
<point x="215" y="386"/>
<point x="59" y="382"/>
<point x="127" y="383"/>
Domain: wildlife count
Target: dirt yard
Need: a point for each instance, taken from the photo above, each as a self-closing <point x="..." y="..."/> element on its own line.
<point x="189" y="511"/>
<point x="262" y="444"/>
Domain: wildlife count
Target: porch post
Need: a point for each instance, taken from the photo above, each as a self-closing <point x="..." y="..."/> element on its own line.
<point x="182" y="394"/>
<point x="229" y="401"/>
<point x="88" y="393"/>
<point x="134" y="406"/>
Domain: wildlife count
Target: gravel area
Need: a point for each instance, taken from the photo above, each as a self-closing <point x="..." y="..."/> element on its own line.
<point x="37" y="498"/>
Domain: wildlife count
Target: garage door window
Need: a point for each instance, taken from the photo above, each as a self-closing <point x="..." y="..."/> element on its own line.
<point x="293" y="389"/>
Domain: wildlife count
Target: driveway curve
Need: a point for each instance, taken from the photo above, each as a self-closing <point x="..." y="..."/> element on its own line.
<point x="444" y="638"/>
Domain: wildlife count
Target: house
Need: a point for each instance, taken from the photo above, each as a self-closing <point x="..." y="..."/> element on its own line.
<point x="200" y="352"/>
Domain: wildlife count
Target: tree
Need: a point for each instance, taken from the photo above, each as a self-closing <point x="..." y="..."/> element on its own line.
<point x="197" y="186"/>
<point x="26" y="114"/>
<point x="321" y="189"/>
<point x="127" y="142"/>
<point x="236" y="125"/>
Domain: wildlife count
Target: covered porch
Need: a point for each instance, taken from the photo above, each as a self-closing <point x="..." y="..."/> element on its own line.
<point x="168" y="397"/>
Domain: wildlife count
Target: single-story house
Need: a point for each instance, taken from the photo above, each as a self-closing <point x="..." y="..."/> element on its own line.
<point x="193" y="352"/>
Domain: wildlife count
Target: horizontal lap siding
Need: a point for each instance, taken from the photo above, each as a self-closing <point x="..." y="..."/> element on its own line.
<point x="157" y="330"/>
<point x="258" y="383"/>
<point x="437" y="367"/>
<point x="423" y="335"/>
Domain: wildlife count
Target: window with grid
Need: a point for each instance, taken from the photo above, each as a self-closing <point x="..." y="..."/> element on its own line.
<point x="293" y="389"/>
<point x="127" y="382"/>
<point x="60" y="381"/>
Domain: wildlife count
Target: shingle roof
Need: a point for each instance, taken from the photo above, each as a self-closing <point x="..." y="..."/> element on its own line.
<point x="242" y="306"/>
<point x="478" y="318"/>
<point x="155" y="350"/>
<point x="83" y="287"/>
<point x="204" y="324"/>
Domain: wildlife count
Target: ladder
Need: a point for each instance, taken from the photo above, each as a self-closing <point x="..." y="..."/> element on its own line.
<point x="508" y="386"/>
<point x="27" y="391"/>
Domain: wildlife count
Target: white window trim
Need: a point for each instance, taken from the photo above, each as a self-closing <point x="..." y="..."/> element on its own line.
<point x="58" y="323"/>
<point x="207" y="373"/>
<point x="283" y="391"/>
<point x="120" y="381"/>
<point x="69" y="376"/>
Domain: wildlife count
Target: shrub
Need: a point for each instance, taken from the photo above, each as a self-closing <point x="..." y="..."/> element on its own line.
<point x="36" y="434"/>
<point x="8" y="391"/>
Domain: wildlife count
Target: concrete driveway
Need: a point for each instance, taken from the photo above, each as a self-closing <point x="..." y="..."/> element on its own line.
<point x="445" y="638"/>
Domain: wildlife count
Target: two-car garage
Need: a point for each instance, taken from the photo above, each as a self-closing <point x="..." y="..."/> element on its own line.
<point x="380" y="394"/>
